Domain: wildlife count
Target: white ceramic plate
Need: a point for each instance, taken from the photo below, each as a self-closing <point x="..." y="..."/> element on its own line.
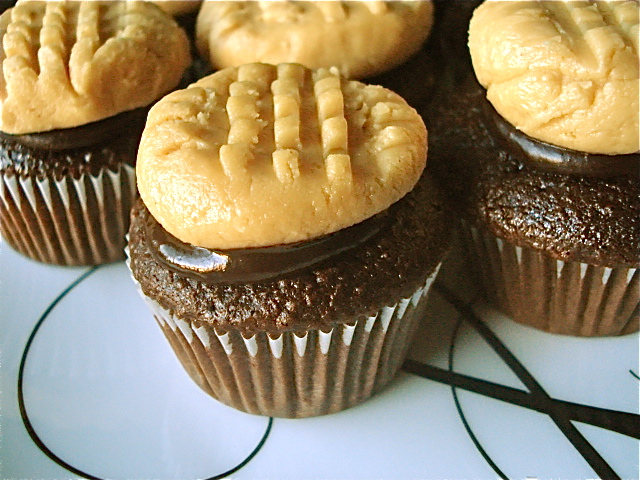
<point x="90" y="388"/>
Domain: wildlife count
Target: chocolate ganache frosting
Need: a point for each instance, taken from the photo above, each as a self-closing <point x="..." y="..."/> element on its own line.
<point x="253" y="264"/>
<point x="83" y="149"/>
<point x="84" y="135"/>
<point x="549" y="157"/>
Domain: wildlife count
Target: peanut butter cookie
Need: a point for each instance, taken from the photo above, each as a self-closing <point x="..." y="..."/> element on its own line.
<point x="360" y="38"/>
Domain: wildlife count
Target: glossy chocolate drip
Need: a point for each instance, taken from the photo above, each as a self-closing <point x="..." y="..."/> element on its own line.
<point x="254" y="264"/>
<point x="83" y="135"/>
<point x="548" y="157"/>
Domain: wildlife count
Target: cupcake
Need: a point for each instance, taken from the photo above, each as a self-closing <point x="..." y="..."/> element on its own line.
<point x="543" y="147"/>
<point x="78" y="78"/>
<point x="325" y="34"/>
<point x="286" y="237"/>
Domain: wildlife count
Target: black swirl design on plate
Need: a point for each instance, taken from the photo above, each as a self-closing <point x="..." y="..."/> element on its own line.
<point x="561" y="413"/>
<point x="463" y="417"/>
<point x="30" y="428"/>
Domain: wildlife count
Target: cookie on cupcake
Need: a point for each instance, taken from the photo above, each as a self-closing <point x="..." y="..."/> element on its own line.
<point x="544" y="150"/>
<point x="77" y="79"/>
<point x="286" y="236"/>
<point x="383" y="42"/>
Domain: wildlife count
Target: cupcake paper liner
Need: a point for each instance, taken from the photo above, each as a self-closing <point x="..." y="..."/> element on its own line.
<point x="296" y="374"/>
<point x="69" y="221"/>
<point x="535" y="289"/>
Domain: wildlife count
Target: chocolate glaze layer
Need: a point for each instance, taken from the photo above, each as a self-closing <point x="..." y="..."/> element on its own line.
<point x="353" y="284"/>
<point x="84" y="135"/>
<point x="87" y="149"/>
<point x="252" y="264"/>
<point x="549" y="157"/>
<point x="571" y="217"/>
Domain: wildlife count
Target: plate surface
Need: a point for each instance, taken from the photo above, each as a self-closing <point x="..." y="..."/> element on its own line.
<point x="90" y="388"/>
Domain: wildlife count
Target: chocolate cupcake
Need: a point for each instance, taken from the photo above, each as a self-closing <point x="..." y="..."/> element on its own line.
<point x="286" y="238"/>
<point x="541" y="159"/>
<point x="324" y="34"/>
<point x="78" y="78"/>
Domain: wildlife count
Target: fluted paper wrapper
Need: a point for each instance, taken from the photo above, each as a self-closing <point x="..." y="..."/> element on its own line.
<point x="535" y="289"/>
<point x="69" y="221"/>
<point x="300" y="374"/>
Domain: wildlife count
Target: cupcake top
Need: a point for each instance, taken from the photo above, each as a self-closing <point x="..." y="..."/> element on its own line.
<point x="67" y="64"/>
<point x="574" y="215"/>
<point x="563" y="72"/>
<point x="316" y="34"/>
<point x="261" y="155"/>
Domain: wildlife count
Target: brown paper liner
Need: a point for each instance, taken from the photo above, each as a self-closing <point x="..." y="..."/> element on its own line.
<point x="535" y="289"/>
<point x="299" y="374"/>
<point x="69" y="221"/>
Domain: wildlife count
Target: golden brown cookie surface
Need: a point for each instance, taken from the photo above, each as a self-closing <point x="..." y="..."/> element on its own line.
<point x="263" y="155"/>
<point x="66" y="64"/>
<point x="564" y="72"/>
<point x="361" y="38"/>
